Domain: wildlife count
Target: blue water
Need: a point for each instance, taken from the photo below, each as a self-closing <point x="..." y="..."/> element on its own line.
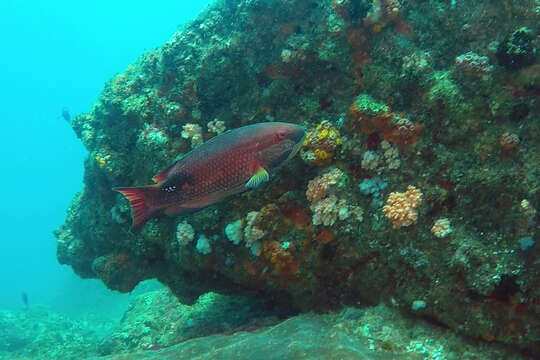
<point x="59" y="54"/>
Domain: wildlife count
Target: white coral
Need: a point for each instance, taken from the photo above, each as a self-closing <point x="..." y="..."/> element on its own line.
<point x="216" y="126"/>
<point x="252" y="233"/>
<point x="184" y="233"/>
<point x="193" y="131"/>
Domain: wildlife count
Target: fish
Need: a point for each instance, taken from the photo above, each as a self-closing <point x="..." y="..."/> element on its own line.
<point x="66" y="115"/>
<point x="24" y="298"/>
<point x="230" y="163"/>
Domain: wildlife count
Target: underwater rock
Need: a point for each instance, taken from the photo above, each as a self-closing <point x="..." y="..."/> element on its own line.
<point x="39" y="333"/>
<point x="351" y="334"/>
<point x="337" y="68"/>
<point x="157" y="320"/>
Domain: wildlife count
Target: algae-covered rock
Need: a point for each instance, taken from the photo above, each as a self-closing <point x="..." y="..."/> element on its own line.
<point x="352" y="334"/>
<point x="156" y="320"/>
<point x="405" y="92"/>
<point x="39" y="333"/>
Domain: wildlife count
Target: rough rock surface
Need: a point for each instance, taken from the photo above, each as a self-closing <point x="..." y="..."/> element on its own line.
<point x="145" y="333"/>
<point x="38" y="333"/>
<point x="418" y="183"/>
<point x="156" y="320"/>
<point x="369" y="334"/>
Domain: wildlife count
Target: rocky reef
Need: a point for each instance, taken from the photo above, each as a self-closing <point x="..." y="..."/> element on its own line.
<point x="156" y="326"/>
<point x="39" y="333"/>
<point x="417" y="184"/>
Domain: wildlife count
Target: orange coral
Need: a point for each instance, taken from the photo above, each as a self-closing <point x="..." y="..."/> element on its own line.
<point x="284" y="263"/>
<point x="401" y="208"/>
<point x="325" y="236"/>
<point x="318" y="187"/>
<point x="297" y="215"/>
<point x="392" y="127"/>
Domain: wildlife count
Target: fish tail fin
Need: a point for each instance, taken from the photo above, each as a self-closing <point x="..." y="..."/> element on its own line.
<point x="139" y="200"/>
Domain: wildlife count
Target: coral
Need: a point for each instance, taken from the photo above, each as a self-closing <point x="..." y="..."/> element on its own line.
<point x="326" y="207"/>
<point x="283" y="262"/>
<point x="527" y="208"/>
<point x="517" y="50"/>
<point x="416" y="64"/>
<point x="443" y="92"/>
<point x="370" y="160"/>
<point x="252" y="234"/>
<point x="381" y="13"/>
<point x="102" y="160"/>
<point x="386" y="158"/>
<point x="330" y="209"/>
<point x="372" y="186"/>
<point x="473" y="64"/>
<point x="318" y="187"/>
<point x="441" y="228"/>
<point x="233" y="231"/>
<point x="320" y="145"/>
<point x="193" y="132"/>
<point x="152" y="135"/>
<point x="325" y="211"/>
<point x="390" y="155"/>
<point x="508" y="142"/>
<point x="203" y="245"/>
<point x="401" y="208"/>
<point x="184" y="233"/>
<point x="365" y="105"/>
<point x="373" y="117"/>
<point x="216" y="126"/>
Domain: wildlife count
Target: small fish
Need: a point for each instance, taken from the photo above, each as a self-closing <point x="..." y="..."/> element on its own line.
<point x="230" y="163"/>
<point x="24" y="298"/>
<point x="66" y="115"/>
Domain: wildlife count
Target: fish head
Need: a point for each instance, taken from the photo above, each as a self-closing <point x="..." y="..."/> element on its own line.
<point x="281" y="142"/>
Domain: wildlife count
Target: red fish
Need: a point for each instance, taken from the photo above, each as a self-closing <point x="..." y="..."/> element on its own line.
<point x="235" y="161"/>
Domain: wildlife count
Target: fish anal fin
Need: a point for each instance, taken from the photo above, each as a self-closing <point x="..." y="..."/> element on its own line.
<point x="180" y="210"/>
<point x="193" y="206"/>
<point x="260" y="176"/>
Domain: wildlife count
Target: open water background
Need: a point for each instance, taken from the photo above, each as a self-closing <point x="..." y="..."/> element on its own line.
<point x="57" y="54"/>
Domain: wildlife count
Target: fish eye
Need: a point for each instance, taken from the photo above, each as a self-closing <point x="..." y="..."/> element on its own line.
<point x="281" y="135"/>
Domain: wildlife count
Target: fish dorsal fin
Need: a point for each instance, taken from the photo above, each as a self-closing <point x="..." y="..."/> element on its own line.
<point x="260" y="176"/>
<point x="162" y="175"/>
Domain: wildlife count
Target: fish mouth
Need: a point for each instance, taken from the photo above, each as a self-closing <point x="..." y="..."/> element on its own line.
<point x="298" y="136"/>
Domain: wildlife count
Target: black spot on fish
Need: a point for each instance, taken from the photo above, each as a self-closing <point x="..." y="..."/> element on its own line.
<point x="176" y="183"/>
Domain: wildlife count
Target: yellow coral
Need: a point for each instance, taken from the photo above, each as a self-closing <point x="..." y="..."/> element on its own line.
<point x="306" y="140"/>
<point x="321" y="154"/>
<point x="323" y="134"/>
<point x="102" y="160"/>
<point x="401" y="208"/>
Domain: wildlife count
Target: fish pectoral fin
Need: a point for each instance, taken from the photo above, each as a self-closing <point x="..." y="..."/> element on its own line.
<point x="260" y="176"/>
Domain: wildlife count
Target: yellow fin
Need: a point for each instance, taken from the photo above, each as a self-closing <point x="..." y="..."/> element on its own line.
<point x="260" y="176"/>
